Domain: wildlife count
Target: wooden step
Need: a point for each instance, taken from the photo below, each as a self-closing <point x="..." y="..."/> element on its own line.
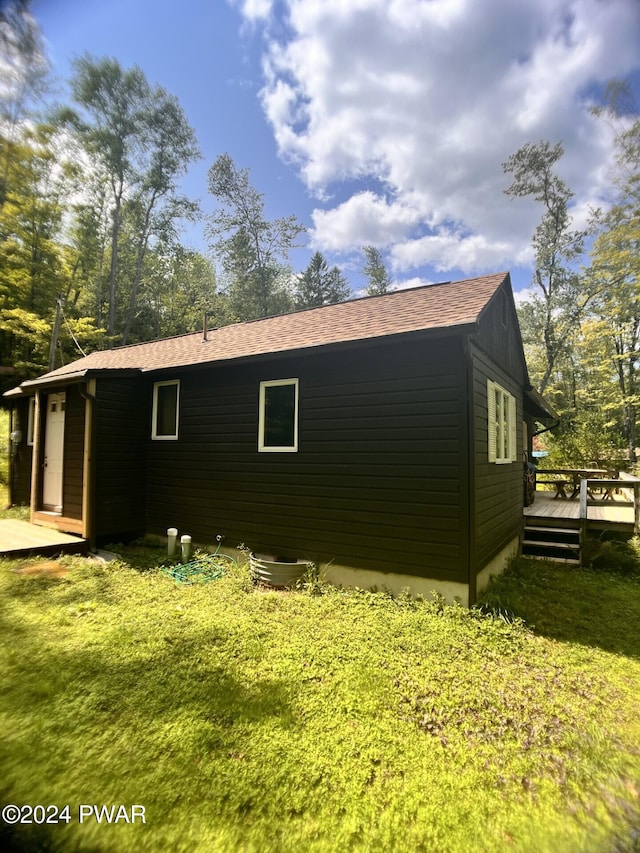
<point x="569" y="561"/>
<point x="559" y="544"/>
<point x="539" y="528"/>
<point x="542" y="543"/>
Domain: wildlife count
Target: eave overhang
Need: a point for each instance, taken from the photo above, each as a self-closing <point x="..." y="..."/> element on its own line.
<point x="536" y="405"/>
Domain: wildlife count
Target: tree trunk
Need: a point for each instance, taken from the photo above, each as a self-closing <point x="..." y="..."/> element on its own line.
<point x="631" y="415"/>
<point x="113" y="272"/>
<point x="134" y="292"/>
<point x="142" y="250"/>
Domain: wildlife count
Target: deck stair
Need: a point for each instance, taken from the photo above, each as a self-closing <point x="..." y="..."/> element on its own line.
<point x="547" y="540"/>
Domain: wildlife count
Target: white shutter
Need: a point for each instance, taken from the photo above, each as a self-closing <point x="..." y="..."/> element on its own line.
<point x="513" y="432"/>
<point x="491" y="419"/>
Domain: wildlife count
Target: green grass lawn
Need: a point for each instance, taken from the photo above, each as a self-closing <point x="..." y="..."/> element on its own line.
<point x="246" y="720"/>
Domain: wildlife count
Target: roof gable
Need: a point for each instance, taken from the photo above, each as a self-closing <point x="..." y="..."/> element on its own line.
<point x="430" y="307"/>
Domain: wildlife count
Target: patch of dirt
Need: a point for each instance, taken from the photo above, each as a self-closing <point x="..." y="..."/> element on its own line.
<point x="48" y="569"/>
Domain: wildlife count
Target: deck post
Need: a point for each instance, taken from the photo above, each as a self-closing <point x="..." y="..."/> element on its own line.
<point x="36" y="469"/>
<point x="88" y="528"/>
<point x="583" y="513"/>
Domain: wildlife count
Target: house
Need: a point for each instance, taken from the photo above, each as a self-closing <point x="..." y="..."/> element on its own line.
<point x="381" y="438"/>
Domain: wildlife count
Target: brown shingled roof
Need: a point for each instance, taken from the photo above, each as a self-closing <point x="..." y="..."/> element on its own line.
<point x="433" y="306"/>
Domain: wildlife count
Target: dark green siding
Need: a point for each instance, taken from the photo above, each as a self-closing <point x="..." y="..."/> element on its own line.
<point x="497" y="503"/>
<point x="73" y="453"/>
<point x="21" y="456"/>
<point x="122" y="424"/>
<point x="376" y="482"/>
<point x="498" y="335"/>
<point x="496" y="489"/>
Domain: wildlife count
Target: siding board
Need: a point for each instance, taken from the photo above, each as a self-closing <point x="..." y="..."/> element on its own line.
<point x="123" y="420"/>
<point x="73" y="458"/>
<point x="497" y="490"/>
<point x="376" y="480"/>
<point x="21" y="456"/>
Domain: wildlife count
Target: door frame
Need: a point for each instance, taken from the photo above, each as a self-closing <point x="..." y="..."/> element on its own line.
<point x="53" y="445"/>
<point x="84" y="526"/>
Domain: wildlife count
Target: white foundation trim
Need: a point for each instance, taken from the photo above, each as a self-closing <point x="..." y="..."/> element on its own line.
<point x="395" y="584"/>
<point x="498" y="564"/>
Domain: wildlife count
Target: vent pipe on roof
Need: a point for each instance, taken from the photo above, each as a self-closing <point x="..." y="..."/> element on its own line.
<point x="205" y="327"/>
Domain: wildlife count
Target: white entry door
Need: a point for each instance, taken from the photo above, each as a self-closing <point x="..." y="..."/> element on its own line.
<point x="53" y="453"/>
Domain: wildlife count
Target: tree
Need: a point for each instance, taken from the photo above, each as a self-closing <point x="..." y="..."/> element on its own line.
<point x="142" y="142"/>
<point x="116" y="103"/>
<point x="156" y="206"/>
<point x="319" y="285"/>
<point x="253" y="250"/>
<point x="616" y="270"/>
<point x="88" y="238"/>
<point x="621" y="111"/>
<point x="615" y="258"/>
<point x="24" y="70"/>
<point x="561" y="297"/>
<point x="376" y="272"/>
<point x="182" y="288"/>
<point x="32" y="257"/>
<point x="590" y="433"/>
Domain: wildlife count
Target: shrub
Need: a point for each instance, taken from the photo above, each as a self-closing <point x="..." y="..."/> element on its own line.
<point x="609" y="555"/>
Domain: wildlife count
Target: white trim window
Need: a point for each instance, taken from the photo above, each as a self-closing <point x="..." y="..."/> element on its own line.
<point x="278" y="416"/>
<point x="166" y="410"/>
<point x="501" y="408"/>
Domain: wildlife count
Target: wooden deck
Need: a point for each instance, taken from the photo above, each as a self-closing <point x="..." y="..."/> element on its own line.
<point x="20" y="538"/>
<point x="602" y="515"/>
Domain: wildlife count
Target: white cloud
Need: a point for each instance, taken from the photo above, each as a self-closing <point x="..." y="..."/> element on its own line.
<point x="255" y="10"/>
<point x="526" y="295"/>
<point x="365" y="218"/>
<point x="473" y="253"/>
<point x="425" y="100"/>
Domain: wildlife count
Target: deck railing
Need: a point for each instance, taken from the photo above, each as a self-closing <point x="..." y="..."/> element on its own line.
<point x="625" y="483"/>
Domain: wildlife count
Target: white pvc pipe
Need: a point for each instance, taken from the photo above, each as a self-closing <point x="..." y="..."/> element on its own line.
<point x="185" y="542"/>
<point x="172" y="535"/>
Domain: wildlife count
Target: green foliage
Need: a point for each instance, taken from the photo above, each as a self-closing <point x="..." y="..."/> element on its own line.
<point x="143" y="143"/>
<point x="610" y="555"/>
<point x="573" y="605"/>
<point x="587" y="438"/>
<point x="375" y="271"/>
<point x="245" y="719"/>
<point x="253" y="250"/>
<point x="555" y="309"/>
<point x="615" y="273"/>
<point x="90" y="214"/>
<point x="25" y="70"/>
<point x="581" y="329"/>
<point x="318" y="285"/>
<point x="30" y="339"/>
<point x="21" y="512"/>
<point x="31" y="255"/>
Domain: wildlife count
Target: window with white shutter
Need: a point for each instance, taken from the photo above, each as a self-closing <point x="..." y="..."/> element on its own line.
<point x="501" y="407"/>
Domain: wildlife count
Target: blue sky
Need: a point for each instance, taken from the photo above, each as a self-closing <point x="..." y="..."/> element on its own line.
<point x="378" y="121"/>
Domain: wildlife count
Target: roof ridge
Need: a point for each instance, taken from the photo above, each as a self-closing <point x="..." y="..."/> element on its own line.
<point x="404" y="311"/>
<point x="366" y="298"/>
<point x="356" y="299"/>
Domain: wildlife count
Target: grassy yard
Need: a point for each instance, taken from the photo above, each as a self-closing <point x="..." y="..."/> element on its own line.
<point x="246" y="720"/>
